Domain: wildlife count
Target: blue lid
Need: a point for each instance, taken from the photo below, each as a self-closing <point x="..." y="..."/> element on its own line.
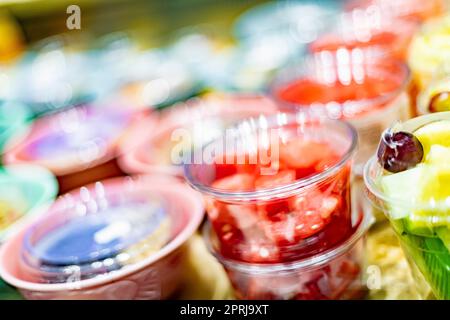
<point x="96" y="232"/>
<point x="99" y="236"/>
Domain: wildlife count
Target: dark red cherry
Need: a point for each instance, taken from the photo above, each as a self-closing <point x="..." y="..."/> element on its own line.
<point x="399" y="151"/>
<point x="440" y="102"/>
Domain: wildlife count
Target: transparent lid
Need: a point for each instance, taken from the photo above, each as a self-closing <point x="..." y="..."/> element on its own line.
<point x="68" y="140"/>
<point x="99" y="229"/>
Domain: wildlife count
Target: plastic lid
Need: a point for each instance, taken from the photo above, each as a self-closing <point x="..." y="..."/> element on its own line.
<point x="75" y="138"/>
<point x="100" y="229"/>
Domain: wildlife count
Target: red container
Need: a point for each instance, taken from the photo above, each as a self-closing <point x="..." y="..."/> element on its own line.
<point x="293" y="205"/>
<point x="368" y="31"/>
<point x="335" y="274"/>
<point x="349" y="85"/>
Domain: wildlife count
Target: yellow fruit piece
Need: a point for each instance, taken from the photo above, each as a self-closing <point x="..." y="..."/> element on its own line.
<point x="435" y="133"/>
<point x="438" y="156"/>
<point x="436" y="184"/>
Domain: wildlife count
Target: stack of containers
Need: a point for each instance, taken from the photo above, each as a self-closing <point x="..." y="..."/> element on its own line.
<point x="278" y="198"/>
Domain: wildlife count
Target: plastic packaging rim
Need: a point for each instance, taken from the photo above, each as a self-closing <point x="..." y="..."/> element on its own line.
<point x="163" y="125"/>
<point x="39" y="129"/>
<point x="285" y="189"/>
<point x="307" y="263"/>
<point x="409" y="126"/>
<point x="196" y="218"/>
<point x="280" y="83"/>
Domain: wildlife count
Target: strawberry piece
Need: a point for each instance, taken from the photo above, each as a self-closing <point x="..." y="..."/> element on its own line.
<point x="300" y="153"/>
<point x="235" y="182"/>
<point x="271" y="181"/>
<point x="308" y="216"/>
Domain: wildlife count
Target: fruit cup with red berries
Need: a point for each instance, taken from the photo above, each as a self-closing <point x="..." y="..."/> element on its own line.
<point x="277" y="192"/>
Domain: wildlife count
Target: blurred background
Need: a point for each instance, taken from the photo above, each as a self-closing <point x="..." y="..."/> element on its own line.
<point x="123" y="75"/>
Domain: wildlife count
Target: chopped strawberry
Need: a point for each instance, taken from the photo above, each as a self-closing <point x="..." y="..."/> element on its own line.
<point x="271" y="181"/>
<point x="326" y="163"/>
<point x="300" y="153"/>
<point x="273" y="210"/>
<point x="235" y="182"/>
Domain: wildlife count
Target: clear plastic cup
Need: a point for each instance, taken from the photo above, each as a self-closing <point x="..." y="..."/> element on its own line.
<point x="368" y="30"/>
<point x="184" y="126"/>
<point x="352" y="85"/>
<point x="335" y="273"/>
<point x="293" y="205"/>
<point x="123" y="238"/>
<point x="424" y="244"/>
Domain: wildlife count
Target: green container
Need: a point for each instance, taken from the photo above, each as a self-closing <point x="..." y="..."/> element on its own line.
<point x="8" y="293"/>
<point x="25" y="190"/>
<point x="13" y="117"/>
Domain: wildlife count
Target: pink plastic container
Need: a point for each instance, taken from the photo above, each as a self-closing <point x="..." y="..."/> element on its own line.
<point x="139" y="262"/>
<point x="203" y="119"/>
<point x="79" y="146"/>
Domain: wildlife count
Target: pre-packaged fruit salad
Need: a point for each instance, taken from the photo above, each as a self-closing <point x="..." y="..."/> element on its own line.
<point x="278" y="188"/>
<point x="410" y="180"/>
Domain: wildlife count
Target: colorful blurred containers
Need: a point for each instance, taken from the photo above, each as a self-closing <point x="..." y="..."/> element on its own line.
<point x="351" y="85"/>
<point x="13" y="118"/>
<point x="368" y="31"/>
<point x="415" y="10"/>
<point x="79" y="145"/>
<point x="270" y="36"/>
<point x="123" y="238"/>
<point x="57" y="73"/>
<point x="24" y="191"/>
<point x="277" y="192"/>
<point x="184" y="127"/>
<point x="429" y="52"/>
